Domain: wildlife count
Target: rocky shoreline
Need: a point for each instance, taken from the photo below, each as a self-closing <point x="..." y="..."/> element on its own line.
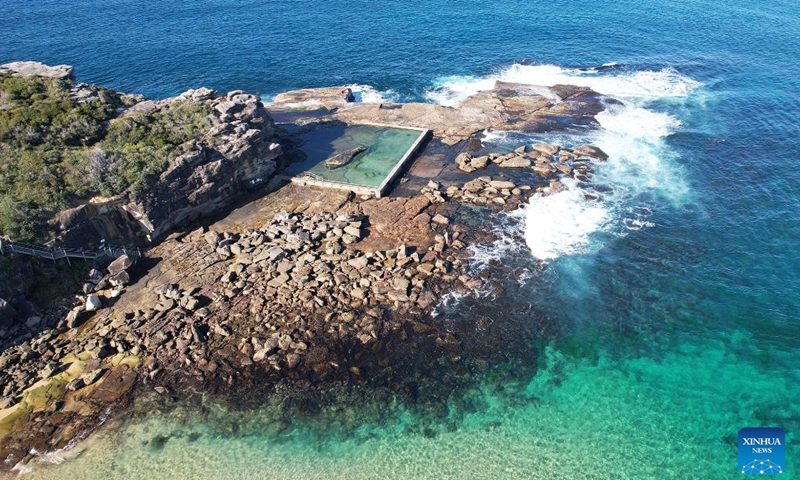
<point x="304" y="288"/>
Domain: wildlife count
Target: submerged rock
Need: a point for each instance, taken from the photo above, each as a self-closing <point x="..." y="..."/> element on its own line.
<point x="342" y="159"/>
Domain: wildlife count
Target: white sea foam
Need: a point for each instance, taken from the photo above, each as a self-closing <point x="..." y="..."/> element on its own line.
<point x="560" y="224"/>
<point x="494" y="136"/>
<point x="641" y="173"/>
<point x="506" y="228"/>
<point x="641" y="167"/>
<point x="37" y="459"/>
<point x="637" y="122"/>
<point x="641" y="85"/>
<point x="640" y="161"/>
<point x="369" y="94"/>
<point x="452" y="90"/>
<point x="58" y="456"/>
<point x="448" y="300"/>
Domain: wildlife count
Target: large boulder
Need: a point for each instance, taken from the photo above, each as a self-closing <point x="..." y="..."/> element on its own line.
<point x="121" y="264"/>
<point x="591" y="152"/>
<point x="93" y="303"/>
<point x="104" y="218"/>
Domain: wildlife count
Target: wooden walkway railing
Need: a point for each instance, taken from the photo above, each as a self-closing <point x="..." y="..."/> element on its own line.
<point x="8" y="246"/>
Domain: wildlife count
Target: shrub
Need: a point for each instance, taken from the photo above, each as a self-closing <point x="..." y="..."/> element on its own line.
<point x="16" y="219"/>
<point x="55" y="151"/>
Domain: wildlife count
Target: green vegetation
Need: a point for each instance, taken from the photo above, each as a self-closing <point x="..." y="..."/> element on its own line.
<point x="56" y="150"/>
<point x="137" y="148"/>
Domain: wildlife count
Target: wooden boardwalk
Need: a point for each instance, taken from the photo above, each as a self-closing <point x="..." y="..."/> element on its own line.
<point x="8" y="246"/>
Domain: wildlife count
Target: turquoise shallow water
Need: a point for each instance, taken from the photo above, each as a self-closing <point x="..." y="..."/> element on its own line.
<point x="674" y="297"/>
<point x="641" y="417"/>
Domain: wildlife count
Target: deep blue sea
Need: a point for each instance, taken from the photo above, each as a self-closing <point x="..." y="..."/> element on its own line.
<point x="676" y="294"/>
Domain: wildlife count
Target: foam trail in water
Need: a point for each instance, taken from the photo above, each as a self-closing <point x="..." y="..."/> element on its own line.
<point x="640" y="163"/>
<point x="636" y="122"/>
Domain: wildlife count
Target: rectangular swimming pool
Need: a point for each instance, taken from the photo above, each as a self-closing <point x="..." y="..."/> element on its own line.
<point x="382" y="151"/>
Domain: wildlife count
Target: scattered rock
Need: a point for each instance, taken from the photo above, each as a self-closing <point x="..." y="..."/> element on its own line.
<point x="546" y="148"/>
<point x="166" y="305"/>
<point x="120" y="279"/>
<point x="93" y="303"/>
<point x="358" y="262"/>
<point x="121" y="264"/>
<point x="89" y="378"/>
<point x="212" y="238"/>
<point x="280" y="280"/>
<point x="292" y="360"/>
<point x="591" y="152"/>
<point x="190" y="303"/>
<point x="468" y="164"/>
<point x="74" y="318"/>
<point x="544" y="170"/>
<point x="480" y="162"/>
<point x="516" y="162"/>
<point x="502" y="184"/>
<point x="440" y="219"/>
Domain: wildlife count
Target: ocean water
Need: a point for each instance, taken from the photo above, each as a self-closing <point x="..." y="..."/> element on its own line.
<point x="674" y="294"/>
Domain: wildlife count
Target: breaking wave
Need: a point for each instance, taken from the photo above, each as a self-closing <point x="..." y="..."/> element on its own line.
<point x="641" y="172"/>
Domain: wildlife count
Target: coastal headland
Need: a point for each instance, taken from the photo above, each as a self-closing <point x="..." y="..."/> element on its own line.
<point x="251" y="286"/>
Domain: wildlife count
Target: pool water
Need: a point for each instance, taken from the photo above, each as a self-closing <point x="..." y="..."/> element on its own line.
<point x="385" y="146"/>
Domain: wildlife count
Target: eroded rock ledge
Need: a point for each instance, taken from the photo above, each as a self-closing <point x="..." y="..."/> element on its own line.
<point x="508" y="106"/>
